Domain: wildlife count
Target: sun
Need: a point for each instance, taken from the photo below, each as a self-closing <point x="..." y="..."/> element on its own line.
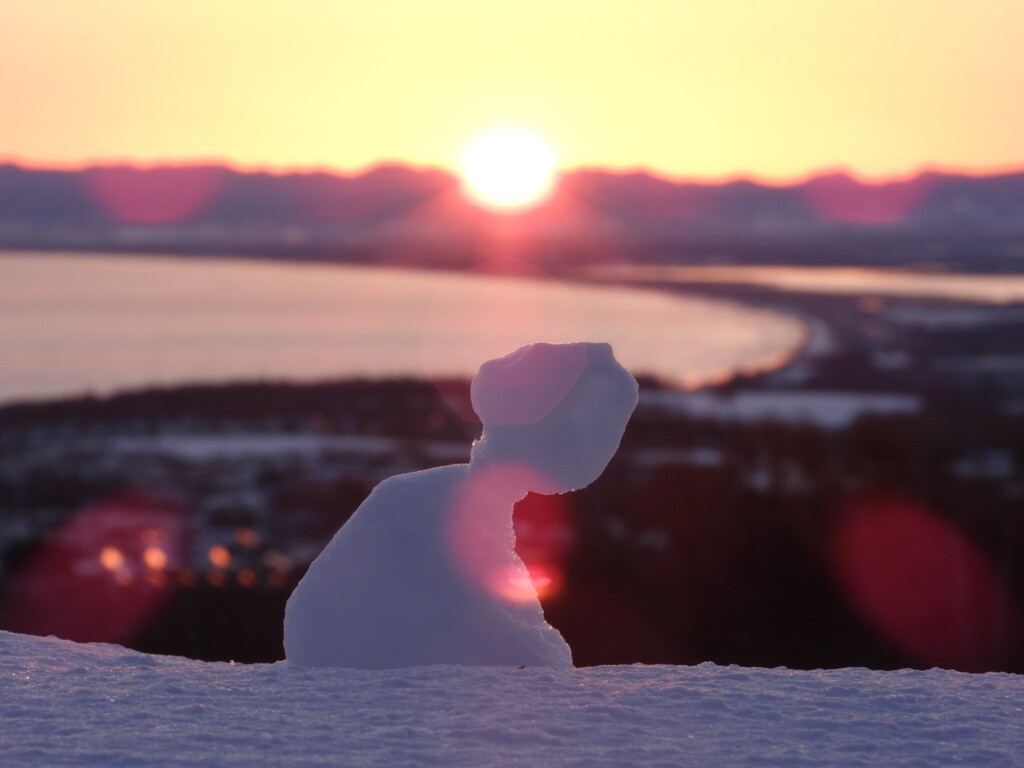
<point x="508" y="169"/>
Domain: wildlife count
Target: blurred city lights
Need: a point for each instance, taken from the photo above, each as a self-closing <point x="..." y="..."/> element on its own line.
<point x="111" y="559"/>
<point x="247" y="537"/>
<point x="92" y="580"/>
<point x="154" y="558"/>
<point x="219" y="556"/>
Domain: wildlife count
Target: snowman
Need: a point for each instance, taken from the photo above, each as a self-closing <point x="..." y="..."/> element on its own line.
<point x="425" y="571"/>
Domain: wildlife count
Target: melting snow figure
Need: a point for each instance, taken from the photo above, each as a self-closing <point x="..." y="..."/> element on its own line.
<point x="425" y="571"/>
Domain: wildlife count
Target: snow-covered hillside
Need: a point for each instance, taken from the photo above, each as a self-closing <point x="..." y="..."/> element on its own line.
<point x="63" y="704"/>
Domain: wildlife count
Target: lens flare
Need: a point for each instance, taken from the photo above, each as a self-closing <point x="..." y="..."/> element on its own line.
<point x="840" y="198"/>
<point x="90" y="580"/>
<point x="545" y="536"/>
<point x="154" y="195"/>
<point x="924" y="585"/>
<point x="526" y="387"/>
<point x="520" y="562"/>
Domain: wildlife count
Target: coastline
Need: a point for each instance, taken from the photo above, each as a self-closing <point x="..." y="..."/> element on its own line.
<point x="236" y="320"/>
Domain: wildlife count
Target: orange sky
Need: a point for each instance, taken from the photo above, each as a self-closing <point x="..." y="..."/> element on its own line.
<point x="683" y="87"/>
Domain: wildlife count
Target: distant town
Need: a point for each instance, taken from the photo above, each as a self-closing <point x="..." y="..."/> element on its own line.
<point x="709" y="537"/>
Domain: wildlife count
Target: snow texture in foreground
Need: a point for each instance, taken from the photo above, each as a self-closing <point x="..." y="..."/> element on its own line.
<point x="425" y="571"/>
<point x="64" y="704"/>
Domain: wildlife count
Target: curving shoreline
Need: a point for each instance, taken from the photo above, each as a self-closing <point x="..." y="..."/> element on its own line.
<point x="74" y="324"/>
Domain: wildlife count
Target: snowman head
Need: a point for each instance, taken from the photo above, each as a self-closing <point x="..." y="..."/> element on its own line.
<point x="557" y="411"/>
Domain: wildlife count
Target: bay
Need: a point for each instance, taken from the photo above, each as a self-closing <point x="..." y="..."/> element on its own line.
<point x="98" y="323"/>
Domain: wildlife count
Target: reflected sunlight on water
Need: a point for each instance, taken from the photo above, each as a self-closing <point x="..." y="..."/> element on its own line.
<point x="73" y="323"/>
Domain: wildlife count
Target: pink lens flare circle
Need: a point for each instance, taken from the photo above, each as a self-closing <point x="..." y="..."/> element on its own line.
<point x="924" y="585"/>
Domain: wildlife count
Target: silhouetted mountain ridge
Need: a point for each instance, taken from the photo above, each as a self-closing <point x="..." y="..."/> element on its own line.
<point x="216" y="208"/>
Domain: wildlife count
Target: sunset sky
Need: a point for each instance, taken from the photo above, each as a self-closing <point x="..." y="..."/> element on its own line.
<point x="686" y="88"/>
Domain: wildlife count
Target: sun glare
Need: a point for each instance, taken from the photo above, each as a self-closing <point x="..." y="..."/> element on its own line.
<point x="508" y="169"/>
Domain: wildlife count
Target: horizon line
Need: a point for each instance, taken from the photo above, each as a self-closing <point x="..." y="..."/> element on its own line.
<point x="763" y="180"/>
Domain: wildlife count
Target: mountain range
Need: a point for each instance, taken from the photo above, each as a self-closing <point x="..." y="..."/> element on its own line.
<point x="212" y="208"/>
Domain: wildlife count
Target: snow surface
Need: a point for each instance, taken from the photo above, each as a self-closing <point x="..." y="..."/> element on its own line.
<point x="255" y="445"/>
<point x="829" y="410"/>
<point x="64" y="704"/>
<point x="425" y="571"/>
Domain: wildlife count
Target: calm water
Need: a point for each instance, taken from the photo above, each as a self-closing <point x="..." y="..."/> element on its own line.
<point x="850" y="281"/>
<point x="72" y="323"/>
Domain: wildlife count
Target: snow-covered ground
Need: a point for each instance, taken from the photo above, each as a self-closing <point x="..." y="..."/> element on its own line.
<point x="63" y="704"/>
<point x="242" y="445"/>
<point x="827" y="409"/>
